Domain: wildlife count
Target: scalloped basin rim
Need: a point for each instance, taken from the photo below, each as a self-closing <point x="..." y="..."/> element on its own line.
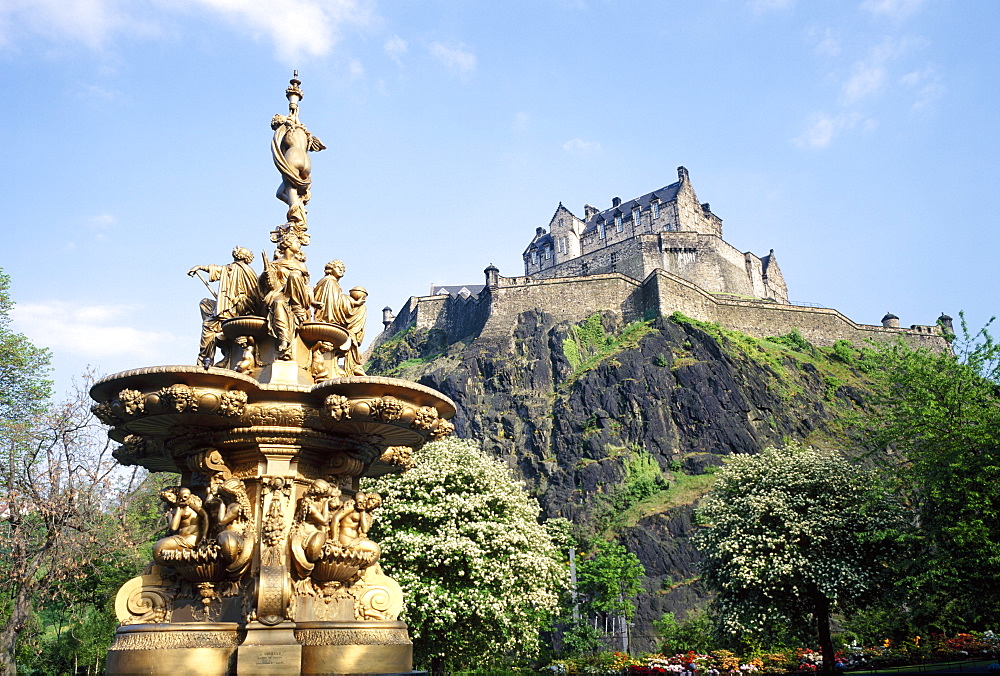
<point x="108" y="387"/>
<point x="378" y="385"/>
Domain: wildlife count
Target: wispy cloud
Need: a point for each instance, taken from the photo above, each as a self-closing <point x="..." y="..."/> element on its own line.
<point x="356" y="69"/>
<point x="90" y="22"/>
<point x="457" y="58"/>
<point x="396" y="48"/>
<point x="823" y="129"/>
<point x="761" y="6"/>
<point x="826" y="42"/>
<point x="892" y="9"/>
<point x="578" y="145"/>
<point x="521" y="121"/>
<point x="296" y="27"/>
<point x="865" y="80"/>
<point x="90" y="332"/>
<point x="927" y="85"/>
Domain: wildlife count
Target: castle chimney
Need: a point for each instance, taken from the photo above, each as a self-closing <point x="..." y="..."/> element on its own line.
<point x="492" y="276"/>
<point x="387" y="317"/>
<point x="890" y="321"/>
<point x="539" y="232"/>
<point x="616" y="201"/>
<point x="589" y="212"/>
<point x="682" y="175"/>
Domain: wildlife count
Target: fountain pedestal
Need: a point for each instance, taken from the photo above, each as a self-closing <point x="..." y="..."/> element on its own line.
<point x="268" y="568"/>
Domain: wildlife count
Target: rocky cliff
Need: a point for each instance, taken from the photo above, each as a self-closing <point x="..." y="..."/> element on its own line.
<point x="618" y="427"/>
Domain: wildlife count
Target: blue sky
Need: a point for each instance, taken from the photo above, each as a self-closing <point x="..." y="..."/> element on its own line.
<point x="857" y="139"/>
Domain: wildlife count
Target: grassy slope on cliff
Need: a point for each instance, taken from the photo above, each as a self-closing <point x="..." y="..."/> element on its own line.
<point x="619" y="427"/>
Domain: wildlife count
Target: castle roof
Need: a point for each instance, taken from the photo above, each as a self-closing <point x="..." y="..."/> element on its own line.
<point x="464" y="290"/>
<point x="539" y="241"/>
<point x="663" y="195"/>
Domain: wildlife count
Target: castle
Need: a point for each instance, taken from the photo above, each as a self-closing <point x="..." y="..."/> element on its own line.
<point x="652" y="255"/>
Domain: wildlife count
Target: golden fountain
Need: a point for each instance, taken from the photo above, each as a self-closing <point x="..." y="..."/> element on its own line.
<point x="267" y="567"/>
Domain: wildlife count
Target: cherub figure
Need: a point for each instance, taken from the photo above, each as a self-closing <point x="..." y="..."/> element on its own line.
<point x="312" y="521"/>
<point x="187" y="521"/>
<point x="350" y="526"/>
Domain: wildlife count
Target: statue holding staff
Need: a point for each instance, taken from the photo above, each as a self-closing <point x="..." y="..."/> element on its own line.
<point x="239" y="294"/>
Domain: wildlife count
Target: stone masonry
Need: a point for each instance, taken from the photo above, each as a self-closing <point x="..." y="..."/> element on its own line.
<point x="654" y="255"/>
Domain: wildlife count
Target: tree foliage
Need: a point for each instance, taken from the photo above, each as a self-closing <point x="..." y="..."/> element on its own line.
<point x="934" y="425"/>
<point x="609" y="578"/>
<point x="61" y="499"/>
<point x="789" y="535"/>
<point x="480" y="574"/>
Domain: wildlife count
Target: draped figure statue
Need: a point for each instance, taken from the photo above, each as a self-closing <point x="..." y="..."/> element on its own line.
<point x="348" y="310"/>
<point x="239" y="294"/>
<point x="289" y="298"/>
<point x="290" y="148"/>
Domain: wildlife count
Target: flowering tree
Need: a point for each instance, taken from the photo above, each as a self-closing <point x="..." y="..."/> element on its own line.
<point x="792" y="534"/>
<point x="480" y="574"/>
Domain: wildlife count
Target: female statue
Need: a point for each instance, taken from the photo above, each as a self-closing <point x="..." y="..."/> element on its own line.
<point x="288" y="298"/>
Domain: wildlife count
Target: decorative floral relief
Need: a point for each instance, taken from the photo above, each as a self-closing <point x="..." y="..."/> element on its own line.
<point x="425" y="418"/>
<point x="232" y="402"/>
<point x="178" y="397"/>
<point x="132" y="400"/>
<point x="105" y="414"/>
<point x="443" y="429"/>
<point x="338" y="406"/>
<point x="387" y="408"/>
<point x="400" y="456"/>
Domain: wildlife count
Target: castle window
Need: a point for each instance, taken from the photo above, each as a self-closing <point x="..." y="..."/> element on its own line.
<point x="534" y="257"/>
<point x="548" y="252"/>
<point x="618" y="222"/>
<point x="656" y="209"/>
<point x="566" y="245"/>
<point x="600" y="230"/>
<point x="636" y="218"/>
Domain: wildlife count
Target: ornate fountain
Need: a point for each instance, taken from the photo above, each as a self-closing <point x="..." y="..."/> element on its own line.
<point x="267" y="567"/>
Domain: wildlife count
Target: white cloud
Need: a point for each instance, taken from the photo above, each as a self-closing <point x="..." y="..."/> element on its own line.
<point x="356" y="69"/>
<point x="760" y="6"/>
<point x="297" y="27"/>
<point x="91" y="332"/>
<point x="90" y="22"/>
<point x="827" y="43"/>
<point x="521" y="121"/>
<point x="866" y="79"/>
<point x="102" y="221"/>
<point x="457" y="59"/>
<point x="823" y="129"/>
<point x="926" y="84"/>
<point x="578" y="145"/>
<point x="870" y="75"/>
<point x="396" y="47"/>
<point x="892" y="9"/>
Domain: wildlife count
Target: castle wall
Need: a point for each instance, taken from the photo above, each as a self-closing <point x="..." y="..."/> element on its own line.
<point x="572" y="299"/>
<point x="760" y="319"/>
<point x="661" y="293"/>
<point x="706" y="260"/>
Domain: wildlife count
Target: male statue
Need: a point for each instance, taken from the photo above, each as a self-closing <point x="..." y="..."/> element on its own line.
<point x="239" y="295"/>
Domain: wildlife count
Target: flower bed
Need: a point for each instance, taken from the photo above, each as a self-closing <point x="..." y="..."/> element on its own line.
<point x="917" y="650"/>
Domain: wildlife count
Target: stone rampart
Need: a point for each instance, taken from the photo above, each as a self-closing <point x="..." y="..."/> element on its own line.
<point x="495" y="310"/>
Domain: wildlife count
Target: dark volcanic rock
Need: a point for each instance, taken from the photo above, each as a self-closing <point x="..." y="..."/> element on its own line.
<point x="683" y="396"/>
